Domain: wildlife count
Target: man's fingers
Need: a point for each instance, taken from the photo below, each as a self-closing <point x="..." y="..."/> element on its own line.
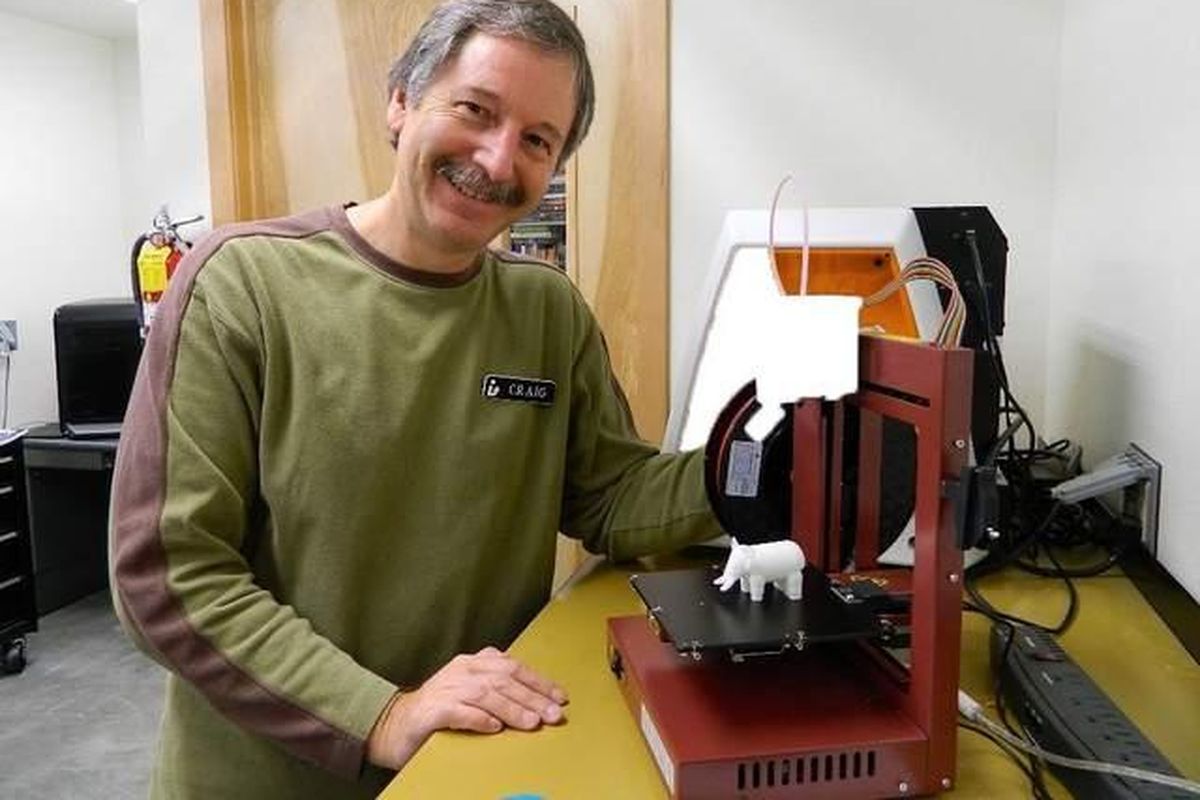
<point x="498" y="663"/>
<point x="464" y="717"/>
<point x="545" y="707"/>
<point x="543" y="686"/>
<point x="503" y="708"/>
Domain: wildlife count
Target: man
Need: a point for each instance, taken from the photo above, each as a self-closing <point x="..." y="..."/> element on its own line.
<point x="355" y="433"/>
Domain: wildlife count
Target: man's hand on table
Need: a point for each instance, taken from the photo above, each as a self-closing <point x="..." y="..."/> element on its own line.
<point x="485" y="692"/>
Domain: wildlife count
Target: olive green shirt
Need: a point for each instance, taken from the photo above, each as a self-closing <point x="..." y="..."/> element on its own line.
<point x="336" y="473"/>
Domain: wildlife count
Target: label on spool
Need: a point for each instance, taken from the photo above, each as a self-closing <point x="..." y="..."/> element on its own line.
<point x="745" y="463"/>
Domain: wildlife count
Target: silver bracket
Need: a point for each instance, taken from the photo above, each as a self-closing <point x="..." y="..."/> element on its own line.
<point x="1136" y="474"/>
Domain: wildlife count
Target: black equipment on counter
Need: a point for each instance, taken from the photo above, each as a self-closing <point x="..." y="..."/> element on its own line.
<point x="97" y="347"/>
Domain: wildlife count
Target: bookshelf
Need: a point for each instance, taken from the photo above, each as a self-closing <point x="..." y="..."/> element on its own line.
<point x="543" y="234"/>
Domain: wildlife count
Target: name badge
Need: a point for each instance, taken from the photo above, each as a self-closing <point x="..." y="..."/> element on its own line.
<point x="520" y="390"/>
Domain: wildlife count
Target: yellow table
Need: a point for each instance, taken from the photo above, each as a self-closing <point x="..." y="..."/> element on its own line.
<point x="599" y="753"/>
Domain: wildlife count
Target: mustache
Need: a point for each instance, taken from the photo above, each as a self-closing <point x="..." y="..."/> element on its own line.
<point x="474" y="180"/>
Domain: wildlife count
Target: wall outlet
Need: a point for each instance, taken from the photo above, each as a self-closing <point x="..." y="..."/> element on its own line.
<point x="8" y="335"/>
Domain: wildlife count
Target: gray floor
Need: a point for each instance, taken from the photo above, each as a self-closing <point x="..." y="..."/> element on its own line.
<point x="81" y="721"/>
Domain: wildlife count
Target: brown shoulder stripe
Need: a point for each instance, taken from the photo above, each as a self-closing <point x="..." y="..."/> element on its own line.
<point x="139" y="562"/>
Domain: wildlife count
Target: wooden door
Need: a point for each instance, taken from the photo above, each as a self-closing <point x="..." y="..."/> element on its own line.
<point x="296" y="93"/>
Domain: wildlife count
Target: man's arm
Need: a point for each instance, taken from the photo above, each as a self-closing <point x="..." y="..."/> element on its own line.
<point x="185" y="486"/>
<point x="623" y="497"/>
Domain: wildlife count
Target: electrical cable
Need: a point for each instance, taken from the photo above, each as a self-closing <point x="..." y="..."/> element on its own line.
<point x="973" y="712"/>
<point x="1016" y="465"/>
<point x="1001" y="710"/>
<point x="984" y="607"/>
<point x="979" y="604"/>
<point x="1017" y="462"/>
<point x="1034" y="766"/>
<point x="995" y="561"/>
<point x="1036" y="782"/>
<point x="1007" y="732"/>
<point x="1090" y="571"/>
<point x="1002" y="440"/>
<point x="950" y="330"/>
<point x="991" y="346"/>
<point x="1044" y="538"/>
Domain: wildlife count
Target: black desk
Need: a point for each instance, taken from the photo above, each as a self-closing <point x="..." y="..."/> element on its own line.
<point x="68" y="483"/>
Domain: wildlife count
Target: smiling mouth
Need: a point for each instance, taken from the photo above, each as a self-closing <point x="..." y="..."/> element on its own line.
<point x="471" y="181"/>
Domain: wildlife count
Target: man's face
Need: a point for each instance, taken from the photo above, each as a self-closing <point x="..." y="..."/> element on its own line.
<point x="478" y="150"/>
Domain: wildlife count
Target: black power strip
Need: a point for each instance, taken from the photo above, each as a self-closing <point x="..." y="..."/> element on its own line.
<point x="1068" y="714"/>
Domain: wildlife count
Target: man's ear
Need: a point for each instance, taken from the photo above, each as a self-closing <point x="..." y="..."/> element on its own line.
<point x="396" y="108"/>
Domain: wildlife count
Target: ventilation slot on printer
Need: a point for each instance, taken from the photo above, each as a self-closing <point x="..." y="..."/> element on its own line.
<point x="769" y="773"/>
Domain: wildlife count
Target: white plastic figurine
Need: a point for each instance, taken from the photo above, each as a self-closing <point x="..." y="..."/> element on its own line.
<point x="754" y="565"/>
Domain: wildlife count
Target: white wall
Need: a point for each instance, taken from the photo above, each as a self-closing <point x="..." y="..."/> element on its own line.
<point x="136" y="208"/>
<point x="173" y="109"/>
<point x="1121" y="364"/>
<point x="97" y="133"/>
<point x="868" y="102"/>
<point x="60" y="192"/>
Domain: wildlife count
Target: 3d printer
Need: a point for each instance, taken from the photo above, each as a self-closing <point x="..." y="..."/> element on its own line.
<point x="851" y="690"/>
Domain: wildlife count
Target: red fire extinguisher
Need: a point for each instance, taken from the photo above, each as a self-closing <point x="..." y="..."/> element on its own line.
<point x="156" y="253"/>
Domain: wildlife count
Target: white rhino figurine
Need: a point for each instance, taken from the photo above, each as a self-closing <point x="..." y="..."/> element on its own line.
<point x="754" y="565"/>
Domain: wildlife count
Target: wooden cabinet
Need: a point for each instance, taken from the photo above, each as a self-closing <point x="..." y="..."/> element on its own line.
<point x="18" y="615"/>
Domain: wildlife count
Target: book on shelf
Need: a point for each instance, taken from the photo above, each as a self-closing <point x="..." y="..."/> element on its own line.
<point x="543" y="233"/>
<point x="533" y="233"/>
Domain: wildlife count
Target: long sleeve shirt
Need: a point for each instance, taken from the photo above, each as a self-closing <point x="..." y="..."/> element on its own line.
<point x="336" y="473"/>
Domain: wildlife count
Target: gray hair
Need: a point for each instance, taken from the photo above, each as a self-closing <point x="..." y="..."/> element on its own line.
<point x="538" y="22"/>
